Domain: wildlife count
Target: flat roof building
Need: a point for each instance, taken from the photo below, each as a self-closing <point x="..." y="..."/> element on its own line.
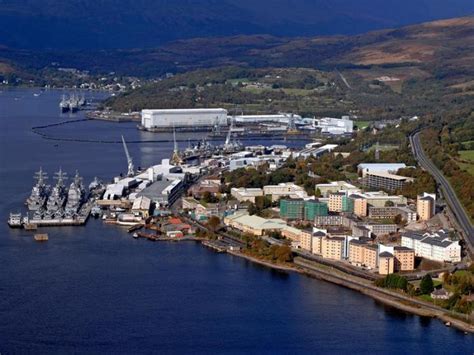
<point x="183" y="118"/>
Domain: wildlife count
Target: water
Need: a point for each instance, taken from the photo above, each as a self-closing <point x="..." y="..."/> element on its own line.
<point x="94" y="289"/>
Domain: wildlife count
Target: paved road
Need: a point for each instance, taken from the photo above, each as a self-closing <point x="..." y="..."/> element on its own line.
<point x="448" y="192"/>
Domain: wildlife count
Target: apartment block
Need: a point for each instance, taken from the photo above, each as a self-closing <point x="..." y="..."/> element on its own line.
<point x="436" y="246"/>
<point x="332" y="247"/>
<point x="301" y="238"/>
<point x="385" y="181"/>
<point x="426" y="206"/>
<point x="386" y="263"/>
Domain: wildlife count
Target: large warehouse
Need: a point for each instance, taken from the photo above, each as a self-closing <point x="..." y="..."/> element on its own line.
<point x="184" y="118"/>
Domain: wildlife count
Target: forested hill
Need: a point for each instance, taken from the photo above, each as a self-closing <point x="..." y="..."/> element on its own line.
<point x="107" y="24"/>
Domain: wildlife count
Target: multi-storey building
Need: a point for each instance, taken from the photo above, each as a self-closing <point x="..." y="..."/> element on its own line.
<point x="336" y="186"/>
<point x="287" y="189"/>
<point x="404" y="258"/>
<point x="332" y="247"/>
<point x="292" y="209"/>
<point x="340" y="202"/>
<point x="436" y="246"/>
<point x="391" y="212"/>
<point x="313" y="208"/>
<point x="425" y="206"/>
<point x="360" y="205"/>
<point x="385" y="181"/>
<point x="301" y="238"/>
<point x="386" y="263"/>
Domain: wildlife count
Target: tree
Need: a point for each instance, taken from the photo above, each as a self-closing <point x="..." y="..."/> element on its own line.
<point x="389" y="203"/>
<point x="426" y="284"/>
<point x="398" y="219"/>
<point x="252" y="209"/>
<point x="213" y="223"/>
<point x="318" y="193"/>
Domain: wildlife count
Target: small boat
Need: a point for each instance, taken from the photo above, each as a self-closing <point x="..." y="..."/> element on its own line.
<point x="41" y="237"/>
<point x="448" y="324"/>
<point x="135" y="235"/>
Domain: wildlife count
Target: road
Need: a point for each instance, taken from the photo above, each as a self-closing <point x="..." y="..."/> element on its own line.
<point x="448" y="192"/>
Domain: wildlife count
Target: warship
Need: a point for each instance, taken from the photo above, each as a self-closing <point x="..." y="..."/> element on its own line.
<point x="39" y="192"/>
<point x="57" y="198"/>
<point x="76" y="195"/>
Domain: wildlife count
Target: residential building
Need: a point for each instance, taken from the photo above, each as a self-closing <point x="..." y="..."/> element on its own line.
<point x="436" y="246"/>
<point x="441" y="294"/>
<point x="382" y="229"/>
<point x="301" y="238"/>
<point x="386" y="181"/>
<point x="426" y="206"/>
<point x="391" y="212"/>
<point x="340" y="202"/>
<point x="332" y="247"/>
<point x="370" y="256"/>
<point x="360" y="205"/>
<point x="404" y="258"/>
<point x="386" y="263"/>
<point x="356" y="252"/>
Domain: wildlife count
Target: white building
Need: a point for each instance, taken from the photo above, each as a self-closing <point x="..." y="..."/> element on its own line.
<point x="434" y="246"/>
<point x="285" y="189"/>
<point x="335" y="126"/>
<point x="388" y="168"/>
<point x="184" y="118"/>
<point x="256" y="119"/>
<point x="337" y="186"/>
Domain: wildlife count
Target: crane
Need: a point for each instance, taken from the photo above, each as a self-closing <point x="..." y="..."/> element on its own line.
<point x="131" y="168"/>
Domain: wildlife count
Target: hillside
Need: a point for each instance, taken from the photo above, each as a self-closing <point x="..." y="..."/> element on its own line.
<point x="107" y="24"/>
<point x="441" y="48"/>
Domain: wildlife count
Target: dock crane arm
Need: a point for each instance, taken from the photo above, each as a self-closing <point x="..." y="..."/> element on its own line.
<point x="131" y="168"/>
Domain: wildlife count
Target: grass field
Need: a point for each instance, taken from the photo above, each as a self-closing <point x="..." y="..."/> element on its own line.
<point x="467" y="155"/>
<point x="362" y="124"/>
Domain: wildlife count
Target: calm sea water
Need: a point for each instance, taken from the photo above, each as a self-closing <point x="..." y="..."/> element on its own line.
<point x="94" y="289"/>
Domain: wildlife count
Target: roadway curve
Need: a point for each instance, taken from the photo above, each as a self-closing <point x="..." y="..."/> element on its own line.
<point x="448" y="192"/>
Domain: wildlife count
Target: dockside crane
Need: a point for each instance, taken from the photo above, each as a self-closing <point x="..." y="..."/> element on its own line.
<point x="131" y="168"/>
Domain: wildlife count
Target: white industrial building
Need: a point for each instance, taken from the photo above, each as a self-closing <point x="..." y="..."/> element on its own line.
<point x="335" y="126"/>
<point x="391" y="168"/>
<point x="184" y="118"/>
<point x="257" y="119"/>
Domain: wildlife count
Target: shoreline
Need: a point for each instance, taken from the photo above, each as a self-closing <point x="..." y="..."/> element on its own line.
<point x="383" y="296"/>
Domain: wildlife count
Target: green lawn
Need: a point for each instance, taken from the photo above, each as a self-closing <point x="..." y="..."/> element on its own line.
<point x="467" y="155"/>
<point x="362" y="124"/>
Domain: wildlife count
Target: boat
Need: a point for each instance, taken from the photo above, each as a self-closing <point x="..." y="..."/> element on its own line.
<point x="73" y="103"/>
<point x="38" y="194"/>
<point x="64" y="104"/>
<point x="57" y="198"/>
<point x="75" y="196"/>
<point x="15" y="220"/>
<point x="43" y="237"/>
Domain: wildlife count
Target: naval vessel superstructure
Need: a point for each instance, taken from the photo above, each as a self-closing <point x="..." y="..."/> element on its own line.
<point x="39" y="192"/>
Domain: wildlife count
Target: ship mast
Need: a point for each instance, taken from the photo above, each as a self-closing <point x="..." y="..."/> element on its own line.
<point x="131" y="168"/>
<point x="175" y="159"/>
<point x="61" y="177"/>
<point x="40" y="176"/>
